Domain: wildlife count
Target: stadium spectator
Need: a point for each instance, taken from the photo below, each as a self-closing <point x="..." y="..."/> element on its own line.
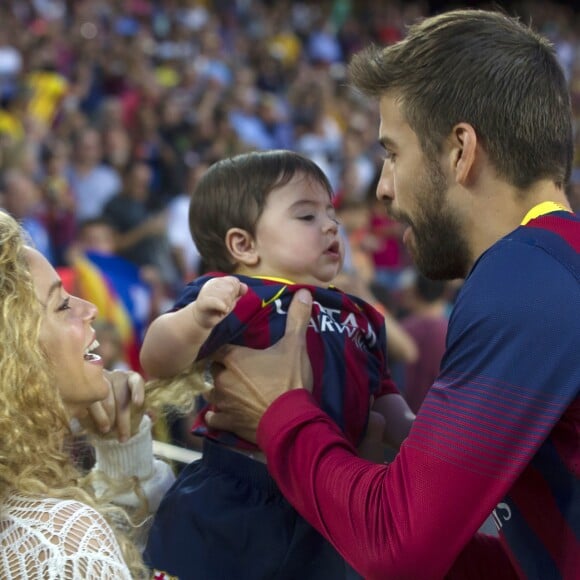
<point x="426" y="322"/>
<point x="92" y="182"/>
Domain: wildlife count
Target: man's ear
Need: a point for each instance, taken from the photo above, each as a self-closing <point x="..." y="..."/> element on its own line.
<point x="463" y="153"/>
<point x="241" y="246"/>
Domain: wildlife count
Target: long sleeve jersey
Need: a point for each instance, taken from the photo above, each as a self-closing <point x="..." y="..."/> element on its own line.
<point x="498" y="432"/>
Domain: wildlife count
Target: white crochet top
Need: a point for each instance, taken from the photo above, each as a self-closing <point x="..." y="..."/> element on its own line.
<point x="52" y="539"/>
<point x="57" y="539"/>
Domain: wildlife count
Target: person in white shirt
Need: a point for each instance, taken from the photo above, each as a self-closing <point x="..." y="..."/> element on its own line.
<point x="55" y="523"/>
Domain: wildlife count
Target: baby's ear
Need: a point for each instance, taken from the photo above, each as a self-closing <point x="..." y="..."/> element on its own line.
<point x="241" y="246"/>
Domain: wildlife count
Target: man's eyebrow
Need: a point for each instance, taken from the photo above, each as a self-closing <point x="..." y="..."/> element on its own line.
<point x="386" y="143"/>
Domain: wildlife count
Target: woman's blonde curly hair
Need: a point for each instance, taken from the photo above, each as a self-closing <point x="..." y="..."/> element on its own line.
<point x="177" y="396"/>
<point x="33" y="421"/>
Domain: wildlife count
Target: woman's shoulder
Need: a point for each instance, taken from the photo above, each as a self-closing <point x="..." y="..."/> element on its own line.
<point x="48" y="509"/>
<point x="69" y="523"/>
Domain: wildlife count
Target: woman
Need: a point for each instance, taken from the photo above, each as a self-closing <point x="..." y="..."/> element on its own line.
<point x="51" y="523"/>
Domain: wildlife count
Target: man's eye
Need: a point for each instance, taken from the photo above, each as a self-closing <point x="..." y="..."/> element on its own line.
<point x="65" y="305"/>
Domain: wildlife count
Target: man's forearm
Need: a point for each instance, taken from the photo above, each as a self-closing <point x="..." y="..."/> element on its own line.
<point x="386" y="521"/>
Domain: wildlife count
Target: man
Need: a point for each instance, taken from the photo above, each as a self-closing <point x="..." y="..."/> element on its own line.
<point x="476" y="124"/>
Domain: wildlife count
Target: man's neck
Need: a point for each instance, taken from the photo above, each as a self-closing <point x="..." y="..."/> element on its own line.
<point x="502" y="209"/>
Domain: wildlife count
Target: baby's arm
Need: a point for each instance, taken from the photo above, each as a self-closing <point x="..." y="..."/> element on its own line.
<point x="173" y="340"/>
<point x="398" y="418"/>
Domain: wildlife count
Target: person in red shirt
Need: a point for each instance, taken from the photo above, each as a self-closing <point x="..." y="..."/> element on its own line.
<point x="426" y="323"/>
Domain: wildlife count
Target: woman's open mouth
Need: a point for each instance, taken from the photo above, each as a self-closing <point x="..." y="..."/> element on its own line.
<point x="91" y="356"/>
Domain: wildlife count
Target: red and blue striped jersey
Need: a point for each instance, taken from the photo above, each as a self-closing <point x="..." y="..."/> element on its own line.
<point x="498" y="432"/>
<point x="346" y="342"/>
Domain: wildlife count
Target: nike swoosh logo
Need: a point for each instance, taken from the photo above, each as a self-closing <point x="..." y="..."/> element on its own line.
<point x="275" y="297"/>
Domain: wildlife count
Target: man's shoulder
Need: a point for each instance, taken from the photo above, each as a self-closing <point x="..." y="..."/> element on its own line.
<point x="528" y="261"/>
<point x="517" y="285"/>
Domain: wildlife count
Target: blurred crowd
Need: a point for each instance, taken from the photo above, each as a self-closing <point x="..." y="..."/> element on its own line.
<point x="110" y="110"/>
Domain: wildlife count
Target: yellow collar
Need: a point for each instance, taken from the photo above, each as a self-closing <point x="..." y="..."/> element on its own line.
<point x="274" y="279"/>
<point x="542" y="209"/>
<point x="281" y="280"/>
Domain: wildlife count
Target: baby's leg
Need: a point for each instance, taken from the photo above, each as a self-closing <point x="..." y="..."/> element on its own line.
<point x="372" y="446"/>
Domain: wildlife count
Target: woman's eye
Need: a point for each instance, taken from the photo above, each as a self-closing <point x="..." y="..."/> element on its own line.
<point x="65" y="305"/>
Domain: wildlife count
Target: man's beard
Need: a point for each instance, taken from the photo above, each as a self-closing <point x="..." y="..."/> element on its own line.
<point x="437" y="243"/>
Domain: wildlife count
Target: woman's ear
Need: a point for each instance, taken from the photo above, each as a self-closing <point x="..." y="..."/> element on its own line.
<point x="241" y="246"/>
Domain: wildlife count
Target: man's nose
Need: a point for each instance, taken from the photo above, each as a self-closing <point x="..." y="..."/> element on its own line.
<point x="385" y="186"/>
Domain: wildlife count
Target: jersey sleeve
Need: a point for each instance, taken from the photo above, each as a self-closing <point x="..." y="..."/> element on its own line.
<point x="232" y="326"/>
<point x="508" y="376"/>
<point x="387" y="386"/>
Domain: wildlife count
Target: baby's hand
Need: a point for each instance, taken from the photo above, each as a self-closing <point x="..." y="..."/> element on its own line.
<point x="216" y="300"/>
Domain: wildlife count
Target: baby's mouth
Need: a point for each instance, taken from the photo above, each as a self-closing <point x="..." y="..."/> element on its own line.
<point x="333" y="248"/>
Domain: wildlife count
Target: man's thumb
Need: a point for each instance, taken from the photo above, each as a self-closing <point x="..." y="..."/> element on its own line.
<point x="299" y="313"/>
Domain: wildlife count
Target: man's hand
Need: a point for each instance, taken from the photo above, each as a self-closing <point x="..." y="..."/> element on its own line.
<point x="121" y="412"/>
<point x="216" y="300"/>
<point x="247" y="381"/>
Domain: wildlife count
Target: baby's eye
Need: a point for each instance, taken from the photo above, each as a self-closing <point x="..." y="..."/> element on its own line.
<point x="306" y="218"/>
<point x="65" y="305"/>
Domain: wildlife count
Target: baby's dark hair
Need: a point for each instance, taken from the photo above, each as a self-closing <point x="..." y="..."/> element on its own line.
<point x="232" y="194"/>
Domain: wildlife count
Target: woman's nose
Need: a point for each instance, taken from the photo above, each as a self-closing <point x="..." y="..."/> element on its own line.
<point x="90" y="311"/>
